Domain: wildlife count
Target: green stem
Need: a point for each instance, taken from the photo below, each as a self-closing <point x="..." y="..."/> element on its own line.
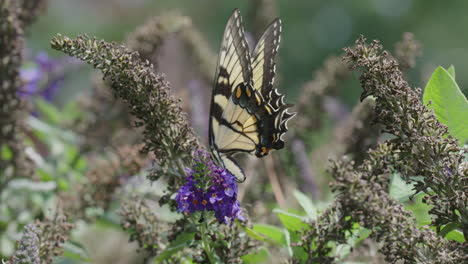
<point x="206" y="245"/>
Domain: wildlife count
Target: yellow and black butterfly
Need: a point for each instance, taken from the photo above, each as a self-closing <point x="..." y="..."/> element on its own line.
<point x="247" y="114"/>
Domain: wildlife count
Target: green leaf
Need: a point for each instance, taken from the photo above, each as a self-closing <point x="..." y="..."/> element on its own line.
<point x="261" y="237"/>
<point x="288" y="243"/>
<point x="51" y="134"/>
<point x="358" y="235"/>
<point x="399" y="189"/>
<point x="419" y="209"/>
<point x="449" y="103"/>
<point x="447" y="228"/>
<point x="451" y="70"/>
<point x="48" y="111"/>
<point x="292" y="222"/>
<point x="260" y="256"/>
<point x="75" y="251"/>
<point x="306" y="203"/>
<point x="342" y="250"/>
<point x="6" y="153"/>
<point x="183" y="240"/>
<point x="274" y="233"/>
<point x="456" y="235"/>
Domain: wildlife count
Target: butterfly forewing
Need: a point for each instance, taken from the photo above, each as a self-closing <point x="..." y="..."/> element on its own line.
<point x="247" y="113"/>
<point x="234" y="69"/>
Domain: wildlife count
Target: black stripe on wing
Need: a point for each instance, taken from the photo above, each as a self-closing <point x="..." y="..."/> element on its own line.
<point x="234" y="57"/>
<point x="233" y="69"/>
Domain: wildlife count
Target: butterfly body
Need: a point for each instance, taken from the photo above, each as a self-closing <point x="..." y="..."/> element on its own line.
<point x="247" y="113"/>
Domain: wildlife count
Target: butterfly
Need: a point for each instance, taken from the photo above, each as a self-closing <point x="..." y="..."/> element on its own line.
<point x="247" y="114"/>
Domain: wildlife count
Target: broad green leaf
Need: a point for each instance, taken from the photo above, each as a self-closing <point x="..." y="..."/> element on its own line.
<point x="306" y="203"/>
<point x="183" y="240"/>
<point x="449" y="103"/>
<point x="292" y="222"/>
<point x="260" y="256"/>
<point x="274" y="233"/>
<point x="300" y="253"/>
<point x="419" y="209"/>
<point x="447" y="228"/>
<point x="260" y="237"/>
<point x="451" y="70"/>
<point x="399" y="189"/>
<point x="456" y="235"/>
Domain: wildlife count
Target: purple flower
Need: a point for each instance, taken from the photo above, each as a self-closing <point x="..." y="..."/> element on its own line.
<point x="209" y="188"/>
<point x="42" y="79"/>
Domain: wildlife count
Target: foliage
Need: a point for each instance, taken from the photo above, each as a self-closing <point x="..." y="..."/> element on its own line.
<point x="449" y="103"/>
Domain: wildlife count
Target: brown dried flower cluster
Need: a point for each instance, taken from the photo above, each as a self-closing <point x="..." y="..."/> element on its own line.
<point x="166" y="131"/>
<point x="311" y="107"/>
<point x="148" y="40"/>
<point x="42" y="241"/>
<point x="407" y="50"/>
<point x="420" y="148"/>
<point x="144" y="226"/>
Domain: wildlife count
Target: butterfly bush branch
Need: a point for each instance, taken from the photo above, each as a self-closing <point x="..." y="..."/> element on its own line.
<point x="30" y="10"/>
<point x="423" y="146"/>
<point x="314" y="93"/>
<point x="166" y="131"/>
<point x="42" y="241"/>
<point x="28" y="247"/>
<point x="144" y="226"/>
<point x="407" y="50"/>
<point x="332" y="225"/>
<point x="147" y="40"/>
<point x="363" y="188"/>
<point x="54" y="232"/>
<point x="355" y="135"/>
<point x="15" y="16"/>
<point x="364" y="197"/>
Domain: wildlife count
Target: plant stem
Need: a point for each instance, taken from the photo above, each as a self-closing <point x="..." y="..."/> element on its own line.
<point x="206" y="245"/>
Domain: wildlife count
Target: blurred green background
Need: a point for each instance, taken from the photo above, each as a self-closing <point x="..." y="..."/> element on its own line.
<point x="312" y="30"/>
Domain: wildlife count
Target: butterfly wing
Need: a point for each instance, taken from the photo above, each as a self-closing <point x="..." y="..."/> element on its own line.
<point x="247" y="114"/>
<point x="263" y="76"/>
<point x="227" y="134"/>
<point x="263" y="63"/>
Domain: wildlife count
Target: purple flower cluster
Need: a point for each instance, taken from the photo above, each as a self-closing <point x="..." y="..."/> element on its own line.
<point x="43" y="78"/>
<point x="209" y="188"/>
